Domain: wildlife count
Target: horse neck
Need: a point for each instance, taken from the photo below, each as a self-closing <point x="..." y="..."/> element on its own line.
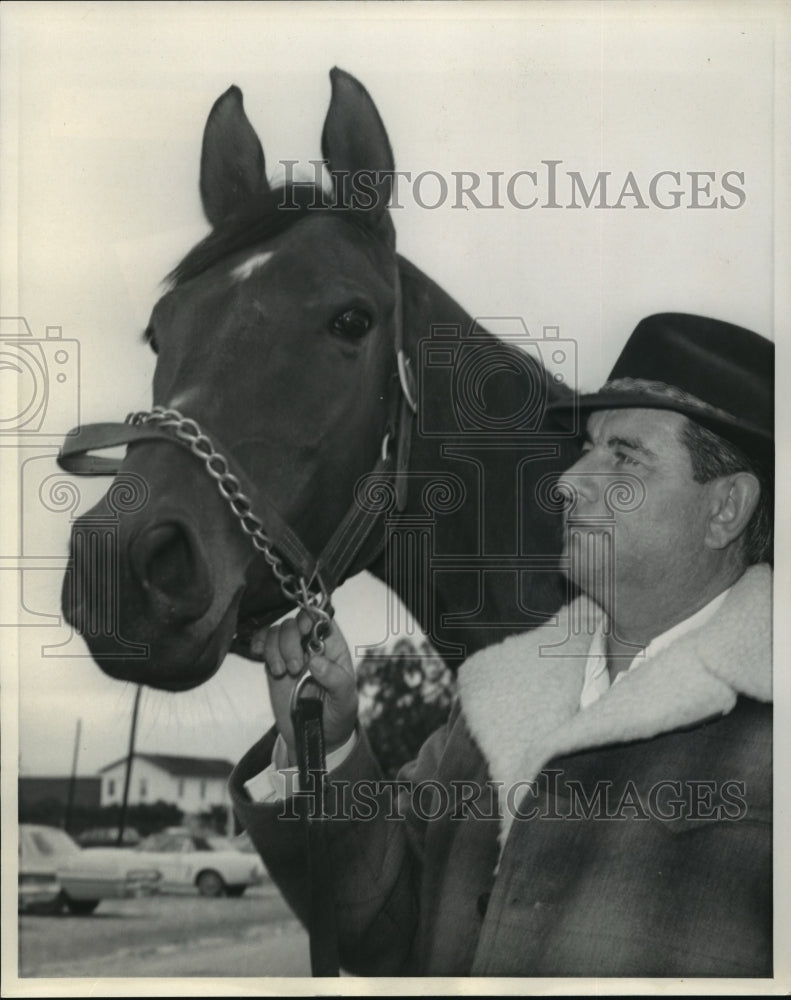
<point x="460" y="490"/>
<point x="427" y="311"/>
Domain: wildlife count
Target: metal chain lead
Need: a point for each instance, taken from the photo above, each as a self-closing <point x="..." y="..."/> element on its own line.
<point x="311" y="597"/>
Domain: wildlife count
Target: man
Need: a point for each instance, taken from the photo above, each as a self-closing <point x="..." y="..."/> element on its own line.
<point x="599" y="802"/>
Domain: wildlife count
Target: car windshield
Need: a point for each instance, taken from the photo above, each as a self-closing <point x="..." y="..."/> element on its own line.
<point x="109" y="835"/>
<point x="52" y="843"/>
<point x="170" y="842"/>
<point x="217" y="843"/>
<point x="179" y="843"/>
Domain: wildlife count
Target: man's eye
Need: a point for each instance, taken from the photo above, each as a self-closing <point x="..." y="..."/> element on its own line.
<point x="621" y="458"/>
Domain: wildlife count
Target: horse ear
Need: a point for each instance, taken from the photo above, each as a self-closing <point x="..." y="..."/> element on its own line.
<point x="232" y="168"/>
<point x="355" y="145"/>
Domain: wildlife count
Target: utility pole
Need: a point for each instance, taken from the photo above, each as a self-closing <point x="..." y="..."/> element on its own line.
<point x="130" y="757"/>
<point x="72" y="780"/>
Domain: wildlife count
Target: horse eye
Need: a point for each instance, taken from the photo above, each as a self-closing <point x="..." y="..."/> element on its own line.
<point x="353" y="323"/>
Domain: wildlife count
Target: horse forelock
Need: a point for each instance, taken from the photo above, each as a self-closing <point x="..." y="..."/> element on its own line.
<point x="262" y="219"/>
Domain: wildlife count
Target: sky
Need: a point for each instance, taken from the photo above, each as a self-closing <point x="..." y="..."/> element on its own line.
<point x="102" y="118"/>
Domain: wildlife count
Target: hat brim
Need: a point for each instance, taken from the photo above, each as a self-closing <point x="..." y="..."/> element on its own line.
<point x="756" y="443"/>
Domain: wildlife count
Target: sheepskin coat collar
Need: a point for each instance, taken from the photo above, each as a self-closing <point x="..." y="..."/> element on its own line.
<point x="521" y="697"/>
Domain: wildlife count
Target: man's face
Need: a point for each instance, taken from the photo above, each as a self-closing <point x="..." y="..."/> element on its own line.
<point x="638" y="517"/>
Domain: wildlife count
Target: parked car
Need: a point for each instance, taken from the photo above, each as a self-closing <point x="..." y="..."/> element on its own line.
<point x="49" y="858"/>
<point x="206" y="862"/>
<point x="38" y="886"/>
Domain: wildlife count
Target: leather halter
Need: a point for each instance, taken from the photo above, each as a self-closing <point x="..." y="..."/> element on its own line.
<point x="327" y="570"/>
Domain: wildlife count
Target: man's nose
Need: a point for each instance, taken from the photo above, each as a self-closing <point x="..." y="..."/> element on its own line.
<point x="580" y="482"/>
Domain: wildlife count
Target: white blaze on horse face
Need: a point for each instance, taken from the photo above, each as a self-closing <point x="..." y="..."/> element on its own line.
<point x="243" y="271"/>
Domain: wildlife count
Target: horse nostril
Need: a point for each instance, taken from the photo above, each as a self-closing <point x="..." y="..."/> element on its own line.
<point x="169" y="566"/>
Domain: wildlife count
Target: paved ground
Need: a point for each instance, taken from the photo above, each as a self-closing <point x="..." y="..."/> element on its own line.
<point x="168" y="936"/>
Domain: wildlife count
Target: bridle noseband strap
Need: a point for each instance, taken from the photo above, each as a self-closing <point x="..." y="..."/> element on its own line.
<point x="76" y="458"/>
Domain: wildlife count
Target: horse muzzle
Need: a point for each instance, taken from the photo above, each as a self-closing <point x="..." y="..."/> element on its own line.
<point x="144" y="599"/>
<point x="140" y="591"/>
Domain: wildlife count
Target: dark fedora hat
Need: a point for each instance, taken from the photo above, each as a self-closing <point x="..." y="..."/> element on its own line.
<point x="718" y="374"/>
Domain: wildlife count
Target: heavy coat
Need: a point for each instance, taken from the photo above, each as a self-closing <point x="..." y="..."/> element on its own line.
<point x="643" y="847"/>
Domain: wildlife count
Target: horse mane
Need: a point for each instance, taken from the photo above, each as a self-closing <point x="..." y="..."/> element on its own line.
<point x="261" y="219"/>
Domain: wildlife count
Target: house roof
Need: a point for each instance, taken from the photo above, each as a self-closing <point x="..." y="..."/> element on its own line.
<point x="182" y="767"/>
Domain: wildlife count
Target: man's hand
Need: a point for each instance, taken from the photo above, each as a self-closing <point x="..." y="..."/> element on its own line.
<point x="281" y="647"/>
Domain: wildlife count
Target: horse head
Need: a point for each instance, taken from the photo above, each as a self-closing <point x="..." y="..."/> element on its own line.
<point x="276" y="343"/>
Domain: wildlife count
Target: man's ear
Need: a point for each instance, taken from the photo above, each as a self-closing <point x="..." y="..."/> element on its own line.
<point x="734" y="499"/>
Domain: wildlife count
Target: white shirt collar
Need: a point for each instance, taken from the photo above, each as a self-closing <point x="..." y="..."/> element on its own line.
<point x="597" y="678"/>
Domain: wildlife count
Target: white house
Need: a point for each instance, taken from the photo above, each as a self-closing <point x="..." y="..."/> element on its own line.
<point x="194" y="784"/>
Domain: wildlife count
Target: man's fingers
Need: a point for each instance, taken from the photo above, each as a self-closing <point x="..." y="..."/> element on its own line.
<point x="286" y="660"/>
<point x="335" y="647"/>
<point x="304" y="622"/>
<point x="284" y="653"/>
<point x="336" y="681"/>
<point x="274" y="661"/>
<point x="291" y="648"/>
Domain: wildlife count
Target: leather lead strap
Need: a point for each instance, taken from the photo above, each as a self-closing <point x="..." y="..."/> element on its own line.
<point x="306" y="718"/>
